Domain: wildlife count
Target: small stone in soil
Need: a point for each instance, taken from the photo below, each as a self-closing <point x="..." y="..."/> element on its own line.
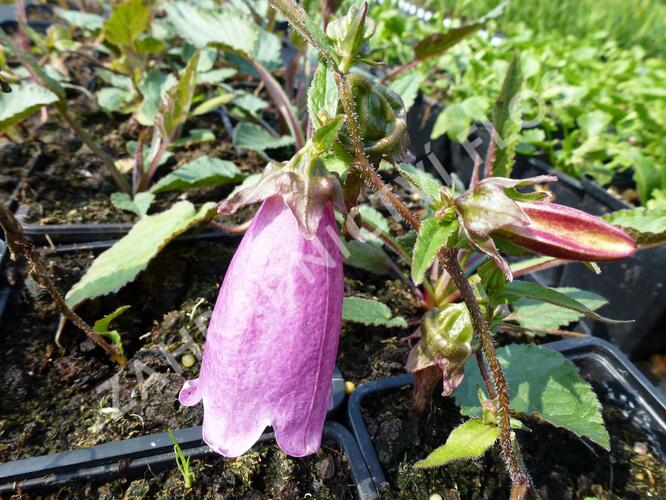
<point x="641" y="448"/>
<point x="325" y="468"/>
<point x="87" y="346"/>
<point x="187" y="361"/>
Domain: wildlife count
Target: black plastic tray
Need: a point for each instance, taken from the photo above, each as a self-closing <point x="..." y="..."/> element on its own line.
<point x="623" y="384"/>
<point x="131" y="458"/>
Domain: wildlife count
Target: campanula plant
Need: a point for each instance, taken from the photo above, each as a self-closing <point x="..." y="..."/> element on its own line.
<point x="273" y="336"/>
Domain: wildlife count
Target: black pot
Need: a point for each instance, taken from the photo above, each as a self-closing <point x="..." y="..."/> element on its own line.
<point x="621" y="382"/>
<point x="131" y="458"/>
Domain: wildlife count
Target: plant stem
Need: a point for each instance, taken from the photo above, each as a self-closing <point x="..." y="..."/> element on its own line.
<point x="18" y="244"/>
<point x="516" y="472"/>
<point x="282" y="103"/>
<point x="484" y="374"/>
<point x="401" y="70"/>
<point x="449" y="261"/>
<point x="119" y="178"/>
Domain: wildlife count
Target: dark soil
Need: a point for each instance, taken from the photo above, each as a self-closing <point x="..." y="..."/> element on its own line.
<point x="58" y="400"/>
<point x="372" y="352"/>
<point x="73" y="185"/>
<point x="562" y="465"/>
<point x="264" y="472"/>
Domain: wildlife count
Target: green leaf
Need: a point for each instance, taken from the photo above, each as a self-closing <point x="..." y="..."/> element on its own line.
<point x="433" y="235"/>
<point x="648" y="176"/>
<point x="121" y="263"/>
<point x="126" y="22"/>
<point x="205" y="171"/>
<point x="425" y="182"/>
<point x="138" y="205"/>
<point x="114" y="99"/>
<point x="324" y="136"/>
<point x="115" y="79"/>
<point x="367" y="256"/>
<point x="213" y="104"/>
<point x="85" y="20"/>
<point x="539" y="316"/>
<point x="544" y="384"/>
<point x="370" y="312"/>
<point x="407" y="86"/>
<point x="377" y="220"/>
<point x="452" y="121"/>
<point x="594" y="122"/>
<point x="174" y="108"/>
<point x="196" y="136"/>
<point x="468" y="441"/>
<point x="215" y="76"/>
<point x="24" y="100"/>
<point x="147" y="45"/>
<point x="251" y="136"/>
<point x="250" y="103"/>
<point x="224" y="27"/>
<point x="153" y="88"/>
<point x="507" y="119"/>
<point x="438" y="43"/>
<point x="518" y="289"/>
<point x="41" y="75"/>
<point x="101" y="326"/>
<point x="322" y="96"/>
<point x="646" y="226"/>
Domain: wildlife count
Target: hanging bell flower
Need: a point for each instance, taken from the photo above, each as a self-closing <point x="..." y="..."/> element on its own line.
<point x="272" y="340"/>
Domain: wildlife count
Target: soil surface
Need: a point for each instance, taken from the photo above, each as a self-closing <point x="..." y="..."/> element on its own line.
<point x="69" y="184"/>
<point x="63" y="399"/>
<point x="562" y="465"/>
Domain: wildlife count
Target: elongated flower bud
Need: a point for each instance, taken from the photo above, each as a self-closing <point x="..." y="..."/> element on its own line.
<point x="273" y="336"/>
<point x="567" y="233"/>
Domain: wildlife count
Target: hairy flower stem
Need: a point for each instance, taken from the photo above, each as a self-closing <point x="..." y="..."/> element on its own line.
<point x="519" y="477"/>
<point x="120" y="180"/>
<point x="511" y="455"/>
<point x="18" y="244"/>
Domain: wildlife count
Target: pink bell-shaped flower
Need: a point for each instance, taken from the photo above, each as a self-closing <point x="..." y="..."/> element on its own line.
<point x="273" y="337"/>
